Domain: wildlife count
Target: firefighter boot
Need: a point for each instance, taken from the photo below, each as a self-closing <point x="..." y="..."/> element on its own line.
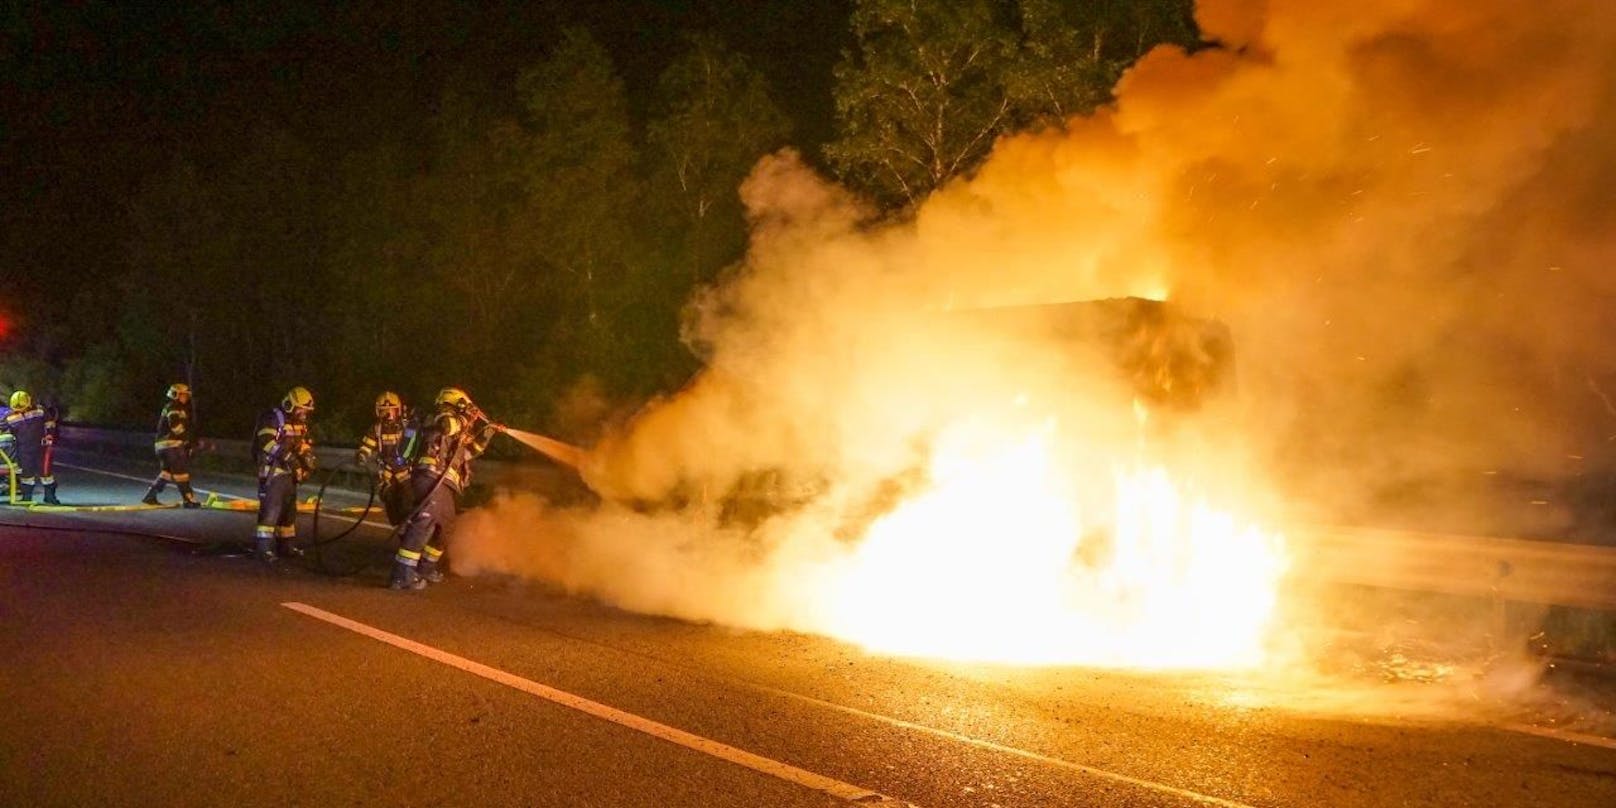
<point x="404" y="577"/>
<point x="286" y="549"/>
<point x="263" y="550"/>
<point x="188" y="496"/>
<point x="152" y="492"/>
<point x="50" y="494"/>
<point x="25" y="492"/>
<point x="430" y="572"/>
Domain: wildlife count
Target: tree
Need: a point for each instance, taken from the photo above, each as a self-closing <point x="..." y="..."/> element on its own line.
<point x="227" y="284"/>
<point x="929" y="84"/>
<point x="1074" y="51"/>
<point x="1063" y="73"/>
<point x="714" y="118"/>
<point x="180" y="253"/>
<point x="577" y="163"/>
<point x="921" y="96"/>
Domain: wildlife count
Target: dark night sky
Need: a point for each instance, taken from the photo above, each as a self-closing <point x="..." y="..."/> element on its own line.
<point x="94" y="97"/>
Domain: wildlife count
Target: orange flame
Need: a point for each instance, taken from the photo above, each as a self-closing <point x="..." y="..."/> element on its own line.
<point x="993" y="562"/>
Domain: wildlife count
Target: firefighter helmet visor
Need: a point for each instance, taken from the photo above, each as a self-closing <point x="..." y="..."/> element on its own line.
<point x="389" y="405"/>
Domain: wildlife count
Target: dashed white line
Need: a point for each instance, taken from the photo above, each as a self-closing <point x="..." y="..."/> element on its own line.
<point x="741" y="757"/>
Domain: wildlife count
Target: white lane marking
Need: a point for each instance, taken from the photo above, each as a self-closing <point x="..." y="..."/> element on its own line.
<point x="219" y="494"/>
<point x="1563" y="735"/>
<point x="1150" y="785"/>
<point x="758" y="763"/>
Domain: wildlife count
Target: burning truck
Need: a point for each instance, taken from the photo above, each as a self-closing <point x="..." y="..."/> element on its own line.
<point x="1167" y="368"/>
<point x="990" y="484"/>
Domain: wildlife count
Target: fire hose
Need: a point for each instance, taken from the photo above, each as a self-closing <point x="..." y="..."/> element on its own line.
<point x="556" y="450"/>
<point x="317" y="543"/>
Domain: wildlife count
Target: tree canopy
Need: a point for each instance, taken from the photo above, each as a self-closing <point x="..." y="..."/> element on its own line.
<point x="930" y="84"/>
<point x="532" y="238"/>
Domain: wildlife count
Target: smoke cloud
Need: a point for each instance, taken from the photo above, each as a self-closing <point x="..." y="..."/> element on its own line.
<point x="1401" y="208"/>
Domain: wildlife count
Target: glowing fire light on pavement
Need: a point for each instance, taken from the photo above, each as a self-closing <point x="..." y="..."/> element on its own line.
<point x="995" y="562"/>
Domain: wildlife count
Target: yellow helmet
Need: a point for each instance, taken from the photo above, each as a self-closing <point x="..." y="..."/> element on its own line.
<point x="298" y="398"/>
<point x="178" y="389"/>
<point x="388" y="405"/>
<point x="453" y="397"/>
<point x="20" y="400"/>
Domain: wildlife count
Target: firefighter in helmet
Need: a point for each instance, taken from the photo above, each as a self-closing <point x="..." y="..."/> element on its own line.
<point x="32" y="431"/>
<point x="176" y="441"/>
<point x="455" y="435"/>
<point x="284" y="454"/>
<point x="390" y="444"/>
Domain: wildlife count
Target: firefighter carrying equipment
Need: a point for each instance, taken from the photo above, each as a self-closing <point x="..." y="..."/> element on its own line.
<point x="284" y="455"/>
<point x="33" y="433"/>
<point x="174" y="445"/>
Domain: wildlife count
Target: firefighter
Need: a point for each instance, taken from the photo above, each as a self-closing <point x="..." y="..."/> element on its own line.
<point x="284" y="455"/>
<point x="175" y="443"/>
<point x="32" y="432"/>
<point x="47" y="474"/>
<point x="455" y="435"/>
<point x="390" y="443"/>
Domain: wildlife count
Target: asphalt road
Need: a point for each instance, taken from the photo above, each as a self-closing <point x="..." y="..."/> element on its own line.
<point x="143" y="671"/>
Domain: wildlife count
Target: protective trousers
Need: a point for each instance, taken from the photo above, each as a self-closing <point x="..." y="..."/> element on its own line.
<point x="426" y="536"/>
<point x="277" y="517"/>
<point x="396" y="494"/>
<point x="175" y="462"/>
<point x="30" y="459"/>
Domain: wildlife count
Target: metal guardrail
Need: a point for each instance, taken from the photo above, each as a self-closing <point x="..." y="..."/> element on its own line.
<point x="494" y="473"/>
<point x="1540" y="572"/>
<point x="82" y="436"/>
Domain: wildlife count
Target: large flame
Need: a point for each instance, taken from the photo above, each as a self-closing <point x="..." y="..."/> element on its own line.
<point x="995" y="561"/>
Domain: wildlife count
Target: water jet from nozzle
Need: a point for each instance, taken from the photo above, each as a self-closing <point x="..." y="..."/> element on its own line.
<point x="563" y="453"/>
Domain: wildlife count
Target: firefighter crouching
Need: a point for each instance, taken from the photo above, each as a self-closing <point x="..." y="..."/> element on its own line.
<point x="389" y="442"/>
<point x="176" y="440"/>
<point x="32" y="432"/>
<point x="456" y="434"/>
<point x="284" y="455"/>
